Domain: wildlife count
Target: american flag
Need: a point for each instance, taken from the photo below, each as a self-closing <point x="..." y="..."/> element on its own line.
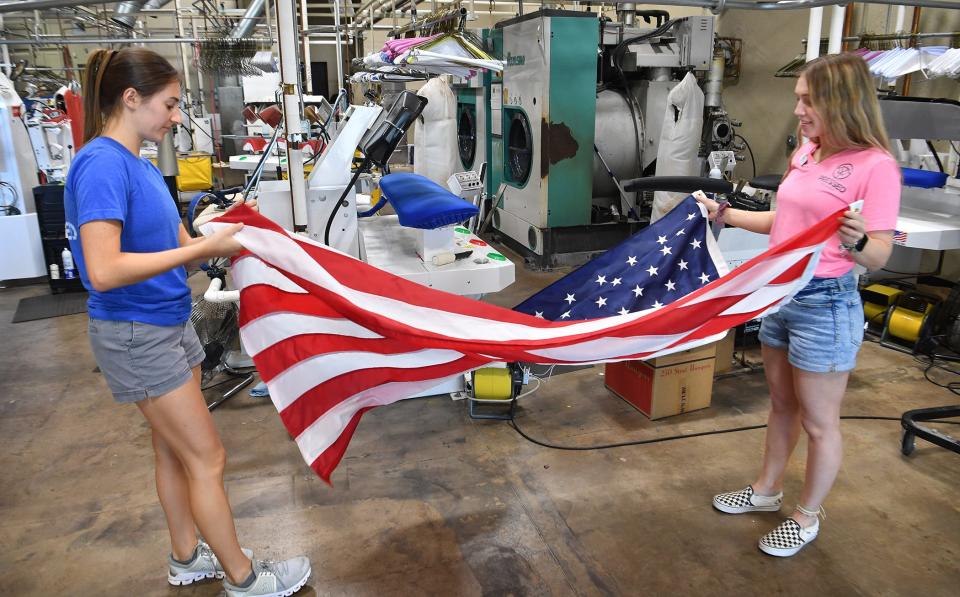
<point x="651" y="269"/>
<point x="334" y="337"/>
<point x="899" y="237"/>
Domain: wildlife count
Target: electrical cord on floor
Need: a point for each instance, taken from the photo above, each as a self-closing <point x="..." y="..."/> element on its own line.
<point x="953" y="386"/>
<point x="932" y="363"/>
<point x="657" y="440"/>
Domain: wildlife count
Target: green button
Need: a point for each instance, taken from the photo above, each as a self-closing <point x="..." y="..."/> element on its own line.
<point x="496" y="256"/>
<point x="461" y="230"/>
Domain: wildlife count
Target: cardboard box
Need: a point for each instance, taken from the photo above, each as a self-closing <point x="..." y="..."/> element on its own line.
<point x="725" y="354"/>
<point x="665" y="386"/>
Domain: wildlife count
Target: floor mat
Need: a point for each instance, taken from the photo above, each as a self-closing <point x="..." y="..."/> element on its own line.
<point x="50" y="305"/>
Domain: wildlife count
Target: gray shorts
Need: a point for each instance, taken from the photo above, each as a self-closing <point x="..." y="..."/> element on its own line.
<point x="140" y="360"/>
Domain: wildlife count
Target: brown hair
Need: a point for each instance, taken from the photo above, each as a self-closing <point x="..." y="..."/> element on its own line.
<point x="111" y="72"/>
<point x="842" y="93"/>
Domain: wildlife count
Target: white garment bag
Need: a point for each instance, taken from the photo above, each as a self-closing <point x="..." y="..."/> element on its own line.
<point x="435" y="134"/>
<point x="679" y="141"/>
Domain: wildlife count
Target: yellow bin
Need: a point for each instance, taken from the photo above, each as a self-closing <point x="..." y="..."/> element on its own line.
<point x="196" y="172"/>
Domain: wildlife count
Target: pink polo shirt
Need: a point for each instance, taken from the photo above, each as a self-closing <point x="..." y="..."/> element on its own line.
<point x="812" y="191"/>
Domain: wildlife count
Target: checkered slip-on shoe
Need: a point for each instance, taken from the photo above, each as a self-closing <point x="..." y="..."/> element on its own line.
<point x="788" y="538"/>
<point x="739" y="502"/>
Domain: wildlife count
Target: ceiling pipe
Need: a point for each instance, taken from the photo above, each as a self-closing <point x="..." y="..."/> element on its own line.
<point x="249" y="20"/>
<point x="125" y="13"/>
<point x="38" y="5"/>
<point x="62" y="41"/>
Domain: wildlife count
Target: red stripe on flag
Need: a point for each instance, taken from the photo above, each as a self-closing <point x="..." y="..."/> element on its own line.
<point x="258" y="300"/>
<point x="274" y="360"/>
<point x="325" y="464"/>
<point x="794" y="272"/>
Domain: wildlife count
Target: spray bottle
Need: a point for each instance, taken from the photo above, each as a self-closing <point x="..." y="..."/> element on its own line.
<point x="68" y="272"/>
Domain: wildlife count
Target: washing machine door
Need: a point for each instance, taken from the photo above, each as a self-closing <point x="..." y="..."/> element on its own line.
<point x="519" y="148"/>
<point x="467" y="135"/>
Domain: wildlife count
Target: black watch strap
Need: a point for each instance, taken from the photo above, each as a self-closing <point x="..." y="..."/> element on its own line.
<point x="861" y="244"/>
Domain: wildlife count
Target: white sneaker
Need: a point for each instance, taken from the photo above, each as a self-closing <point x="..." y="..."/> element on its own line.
<point x="745" y="500"/>
<point x="273" y="579"/>
<point x="204" y="565"/>
<point x="788" y="538"/>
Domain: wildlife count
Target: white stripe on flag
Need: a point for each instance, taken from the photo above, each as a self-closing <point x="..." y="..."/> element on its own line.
<point x="251" y="270"/>
<point x="264" y="332"/>
<point x="300" y="378"/>
<point x="603" y="349"/>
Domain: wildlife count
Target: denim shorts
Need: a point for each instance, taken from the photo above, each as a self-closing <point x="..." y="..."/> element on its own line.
<point x="140" y="360"/>
<point x="821" y="328"/>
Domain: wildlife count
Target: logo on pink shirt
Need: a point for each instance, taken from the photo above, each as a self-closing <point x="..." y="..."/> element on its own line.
<point x="843" y="171"/>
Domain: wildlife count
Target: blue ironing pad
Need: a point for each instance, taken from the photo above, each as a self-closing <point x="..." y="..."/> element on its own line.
<point x="422" y="203"/>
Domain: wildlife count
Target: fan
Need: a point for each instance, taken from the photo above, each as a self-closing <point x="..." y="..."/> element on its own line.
<point x="217" y="327"/>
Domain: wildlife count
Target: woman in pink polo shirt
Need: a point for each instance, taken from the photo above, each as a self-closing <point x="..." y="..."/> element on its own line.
<point x="810" y="346"/>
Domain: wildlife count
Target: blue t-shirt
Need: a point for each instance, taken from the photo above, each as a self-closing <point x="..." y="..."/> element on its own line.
<point x="107" y="182"/>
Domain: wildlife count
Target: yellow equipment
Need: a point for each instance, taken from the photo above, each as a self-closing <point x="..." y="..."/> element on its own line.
<point x="906" y="321"/>
<point x="495" y="389"/>
<point x="877" y="299"/>
<point x="492" y="384"/>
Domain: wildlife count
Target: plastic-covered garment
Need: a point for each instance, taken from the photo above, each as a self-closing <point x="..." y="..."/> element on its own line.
<point x="435" y="134"/>
<point x="679" y="141"/>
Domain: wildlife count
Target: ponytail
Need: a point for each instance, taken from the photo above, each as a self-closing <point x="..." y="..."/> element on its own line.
<point x="109" y="73"/>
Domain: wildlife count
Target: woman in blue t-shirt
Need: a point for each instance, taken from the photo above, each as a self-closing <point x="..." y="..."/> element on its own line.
<point x="131" y="250"/>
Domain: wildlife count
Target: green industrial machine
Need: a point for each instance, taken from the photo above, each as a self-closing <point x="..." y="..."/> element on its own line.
<point x="580" y="106"/>
<point x="547" y="104"/>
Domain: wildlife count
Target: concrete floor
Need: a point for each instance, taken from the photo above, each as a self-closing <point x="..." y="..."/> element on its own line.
<point x="431" y="502"/>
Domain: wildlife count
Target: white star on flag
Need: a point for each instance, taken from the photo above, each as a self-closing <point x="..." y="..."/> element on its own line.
<point x="637" y="291"/>
<point x="704" y="278"/>
<point x="565" y="315"/>
<point x="623" y="311"/>
<point x="691" y="216"/>
<point x="695" y="244"/>
<point x="601" y="280"/>
<point x="670" y="285"/>
<point x="538" y="314"/>
<point x="662" y="240"/>
<point x="601" y="302"/>
<point x="666" y="251"/>
<point x="681" y="231"/>
<point x="682" y="264"/>
<point x="616" y="282"/>
<point x="652" y="271"/>
<point x="570" y="299"/>
<point x="631" y="261"/>
<point x="657" y="304"/>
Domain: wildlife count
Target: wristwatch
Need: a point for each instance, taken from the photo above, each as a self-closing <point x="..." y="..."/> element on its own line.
<point x="858" y="247"/>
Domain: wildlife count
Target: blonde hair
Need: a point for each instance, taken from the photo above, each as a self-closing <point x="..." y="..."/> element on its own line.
<point x="109" y="73"/>
<point x="842" y="93"/>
